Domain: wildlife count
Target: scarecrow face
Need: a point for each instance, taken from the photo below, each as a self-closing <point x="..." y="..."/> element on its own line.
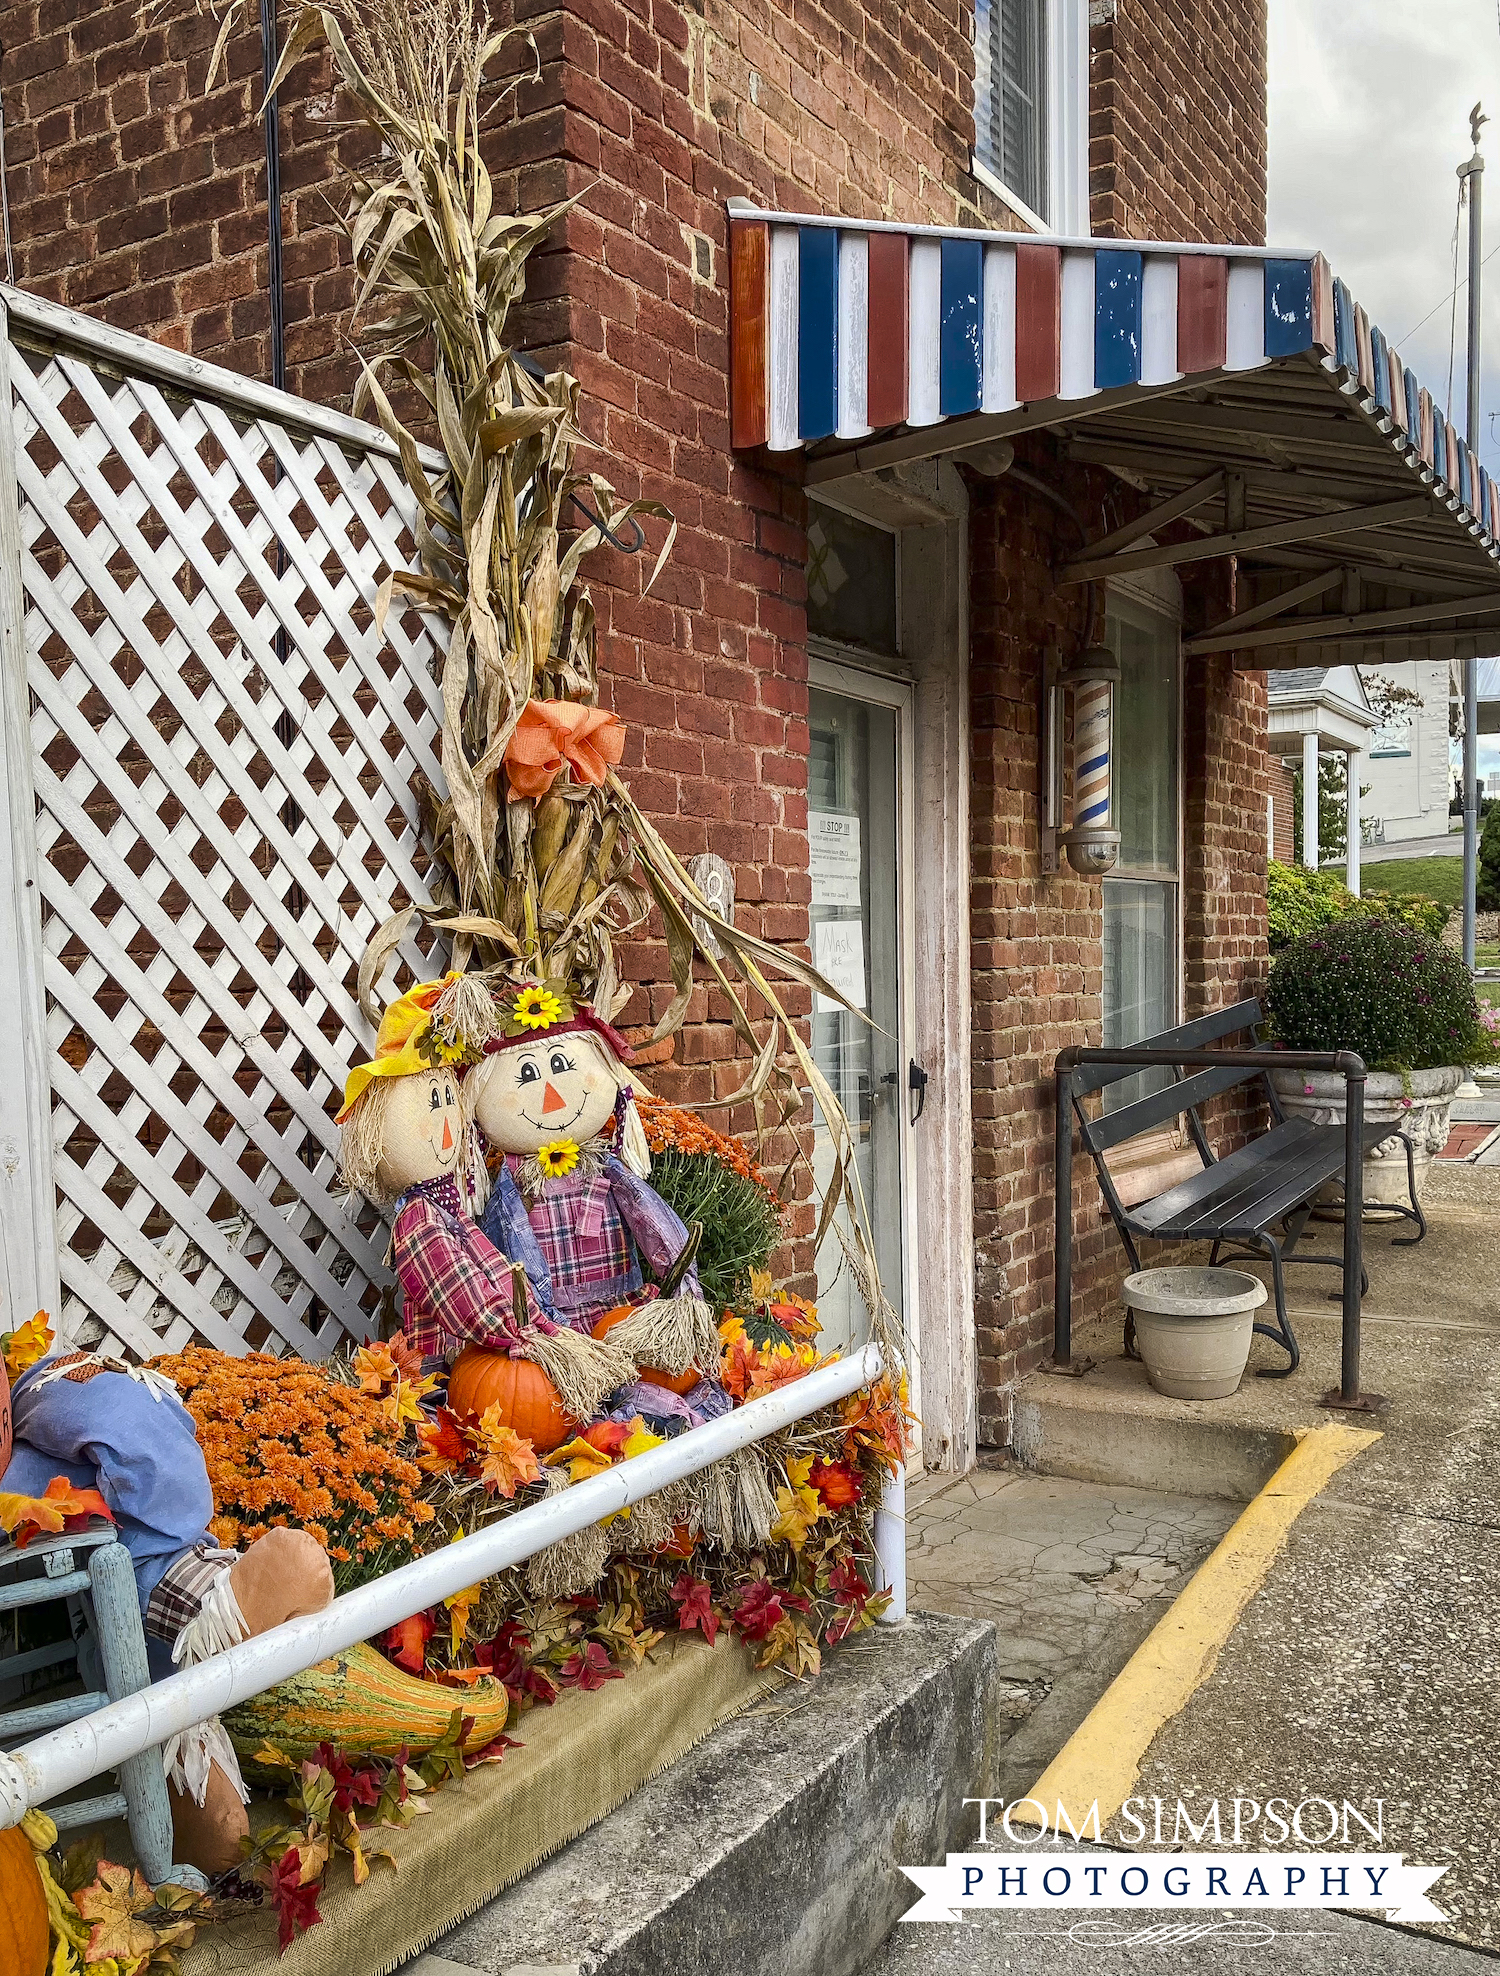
<point x="423" y="1134"/>
<point x="537" y="1091"/>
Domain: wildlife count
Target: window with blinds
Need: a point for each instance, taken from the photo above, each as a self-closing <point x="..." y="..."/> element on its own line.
<point x="1010" y="91"/>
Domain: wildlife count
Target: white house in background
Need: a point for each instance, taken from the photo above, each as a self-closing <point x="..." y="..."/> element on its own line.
<point x="1315" y="710"/>
<point x="1407" y="772"/>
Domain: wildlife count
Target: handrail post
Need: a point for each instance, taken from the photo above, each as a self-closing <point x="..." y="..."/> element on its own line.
<point x="1347" y="1397"/>
<point x="1062" y="1359"/>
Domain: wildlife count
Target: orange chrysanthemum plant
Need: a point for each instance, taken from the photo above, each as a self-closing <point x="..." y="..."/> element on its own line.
<point x="289" y="1444"/>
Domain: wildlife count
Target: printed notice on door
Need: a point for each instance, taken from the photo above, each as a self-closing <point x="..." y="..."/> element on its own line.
<point x="839" y="956"/>
<point x="833" y="848"/>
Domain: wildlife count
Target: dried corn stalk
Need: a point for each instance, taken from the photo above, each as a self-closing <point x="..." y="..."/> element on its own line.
<point x="525" y="889"/>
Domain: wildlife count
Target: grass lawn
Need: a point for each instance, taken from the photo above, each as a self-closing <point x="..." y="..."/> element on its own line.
<point x="1435" y="878"/>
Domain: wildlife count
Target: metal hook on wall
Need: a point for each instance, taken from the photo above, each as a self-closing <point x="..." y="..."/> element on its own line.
<point x="614" y="541"/>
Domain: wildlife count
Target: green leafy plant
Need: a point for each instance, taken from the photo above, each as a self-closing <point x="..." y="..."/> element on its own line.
<point x="1487" y="893"/>
<point x="1300" y="900"/>
<point x="741" y="1223"/>
<point x="1398" y="997"/>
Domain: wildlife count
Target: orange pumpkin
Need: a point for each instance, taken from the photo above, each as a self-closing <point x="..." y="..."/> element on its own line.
<point x="675" y="1382"/>
<point x="527" y="1399"/>
<point x="23" y="1907"/>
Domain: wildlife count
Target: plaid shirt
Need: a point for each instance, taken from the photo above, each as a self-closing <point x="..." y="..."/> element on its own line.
<point x="455" y="1283"/>
<point x="590" y="1236"/>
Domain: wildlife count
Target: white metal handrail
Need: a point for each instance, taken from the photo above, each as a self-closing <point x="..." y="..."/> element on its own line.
<point x="67" y="1757"/>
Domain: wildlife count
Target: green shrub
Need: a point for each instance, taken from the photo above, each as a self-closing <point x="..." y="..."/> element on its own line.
<point x="1398" y="997"/>
<point x="1300" y="900"/>
<point x="741" y="1224"/>
<point x="1487" y="891"/>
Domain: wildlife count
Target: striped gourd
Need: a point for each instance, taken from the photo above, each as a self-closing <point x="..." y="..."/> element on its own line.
<point x="365" y="1706"/>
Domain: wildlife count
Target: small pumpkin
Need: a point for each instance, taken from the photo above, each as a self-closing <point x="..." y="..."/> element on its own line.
<point x="23" y="1907"/>
<point x="364" y="1705"/>
<point x="675" y="1382"/>
<point x="527" y="1399"/>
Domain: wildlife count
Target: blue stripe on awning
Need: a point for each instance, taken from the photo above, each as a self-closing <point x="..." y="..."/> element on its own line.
<point x="1289" y="302"/>
<point x="961" y="359"/>
<point x="1465" y="493"/>
<point x="1117" y="318"/>
<point x="1413" y="410"/>
<point x="1439" y="444"/>
<point x="1380" y="357"/>
<point x="817" y="332"/>
<point x="1346" y="344"/>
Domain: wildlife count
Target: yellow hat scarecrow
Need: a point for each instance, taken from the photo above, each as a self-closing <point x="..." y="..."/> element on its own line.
<point x="407" y="1042"/>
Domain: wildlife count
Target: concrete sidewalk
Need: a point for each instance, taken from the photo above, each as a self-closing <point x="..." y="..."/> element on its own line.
<point x="1367" y="1665"/>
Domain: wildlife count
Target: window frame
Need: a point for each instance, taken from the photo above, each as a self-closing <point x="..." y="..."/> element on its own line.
<point x="1160" y="599"/>
<point x="1065" y="163"/>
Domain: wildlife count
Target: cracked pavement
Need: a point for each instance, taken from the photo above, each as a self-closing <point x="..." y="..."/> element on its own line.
<point x="1056" y="1564"/>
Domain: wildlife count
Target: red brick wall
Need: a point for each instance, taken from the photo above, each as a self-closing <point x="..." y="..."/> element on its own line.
<point x="1037" y="939"/>
<point x="1177" y="120"/>
<point x="1283" y="794"/>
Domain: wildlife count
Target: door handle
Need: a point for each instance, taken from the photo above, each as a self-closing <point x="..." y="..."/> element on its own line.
<point x="916" y="1086"/>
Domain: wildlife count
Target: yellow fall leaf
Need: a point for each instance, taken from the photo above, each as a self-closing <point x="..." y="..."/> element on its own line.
<point x="797" y="1511"/>
<point x="460" y="1604"/>
<point x="30" y="1342"/>
<point x="641" y="1440"/>
<point x="582" y="1459"/>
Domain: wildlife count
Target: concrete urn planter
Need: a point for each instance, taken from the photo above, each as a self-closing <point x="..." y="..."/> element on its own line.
<point x="1193" y="1328"/>
<point x="1420" y="1115"/>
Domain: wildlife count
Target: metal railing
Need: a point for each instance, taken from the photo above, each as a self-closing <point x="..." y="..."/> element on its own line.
<point x="69" y="1756"/>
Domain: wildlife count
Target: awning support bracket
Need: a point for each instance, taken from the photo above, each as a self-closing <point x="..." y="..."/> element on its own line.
<point x="1308" y="528"/>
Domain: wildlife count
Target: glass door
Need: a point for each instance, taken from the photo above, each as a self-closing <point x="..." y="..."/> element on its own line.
<point x="858" y="784"/>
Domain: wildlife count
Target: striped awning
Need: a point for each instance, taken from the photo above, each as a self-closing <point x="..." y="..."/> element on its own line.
<point x="862" y="345"/>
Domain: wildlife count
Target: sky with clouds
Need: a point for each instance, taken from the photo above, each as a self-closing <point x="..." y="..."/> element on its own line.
<point x="1369" y="116"/>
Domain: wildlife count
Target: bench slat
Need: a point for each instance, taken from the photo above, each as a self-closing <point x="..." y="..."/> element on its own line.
<point x="1222" y="1182"/>
<point x="1159" y="1106"/>
<point x="1193" y="1035"/>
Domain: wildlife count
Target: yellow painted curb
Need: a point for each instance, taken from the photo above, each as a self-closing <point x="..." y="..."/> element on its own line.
<point x="1102" y="1758"/>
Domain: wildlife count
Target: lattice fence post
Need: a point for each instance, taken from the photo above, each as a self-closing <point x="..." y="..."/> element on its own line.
<point x="28" y="1235"/>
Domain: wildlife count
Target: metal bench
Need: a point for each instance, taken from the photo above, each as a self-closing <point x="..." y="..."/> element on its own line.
<point x="1236" y="1202"/>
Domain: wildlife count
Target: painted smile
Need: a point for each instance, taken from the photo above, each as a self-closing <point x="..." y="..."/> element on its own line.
<point x="554" y="1124"/>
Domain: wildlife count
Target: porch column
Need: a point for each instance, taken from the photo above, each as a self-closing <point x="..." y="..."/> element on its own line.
<point x="1310" y="799"/>
<point x="1351" y="821"/>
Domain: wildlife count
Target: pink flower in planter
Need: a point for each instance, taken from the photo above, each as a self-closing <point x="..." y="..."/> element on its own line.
<point x="1307" y="1090"/>
<point x="1406" y="1104"/>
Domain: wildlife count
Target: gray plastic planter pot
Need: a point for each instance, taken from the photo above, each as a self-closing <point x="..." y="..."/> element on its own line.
<point x="1193" y="1328"/>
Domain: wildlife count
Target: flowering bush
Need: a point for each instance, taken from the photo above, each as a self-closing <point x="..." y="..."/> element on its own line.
<point x="1402" y="1000"/>
<point x="1300" y="900"/>
<point x="288" y="1443"/>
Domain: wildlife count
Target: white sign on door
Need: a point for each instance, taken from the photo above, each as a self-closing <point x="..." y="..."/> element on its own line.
<point x="833" y="855"/>
<point x="839" y="956"/>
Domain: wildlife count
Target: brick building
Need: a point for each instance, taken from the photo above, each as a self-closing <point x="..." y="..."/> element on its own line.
<point x="837" y="685"/>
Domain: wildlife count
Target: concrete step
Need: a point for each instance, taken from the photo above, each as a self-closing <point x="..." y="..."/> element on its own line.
<point x="1111" y="1427"/>
<point x="776" y="1844"/>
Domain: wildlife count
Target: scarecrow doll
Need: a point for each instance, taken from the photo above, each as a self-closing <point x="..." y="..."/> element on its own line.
<point x="571" y="1201"/>
<point x="121" y="1429"/>
<point x="409" y="1144"/>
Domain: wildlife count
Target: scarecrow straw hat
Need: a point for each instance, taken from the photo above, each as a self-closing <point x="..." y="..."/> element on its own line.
<point x="406" y="1042"/>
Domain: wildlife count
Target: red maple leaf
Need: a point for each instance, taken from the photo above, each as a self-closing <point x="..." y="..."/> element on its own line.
<point x="445" y="1446"/>
<point x="608" y="1436"/>
<point x="506" y="1658"/>
<point x="408" y="1359"/>
<point x="589" y="1669"/>
<point x="694" y="1607"/>
<point x="406" y="1643"/>
<point x="351" y="1785"/>
<point x="847" y="1584"/>
<point x="758" y="1609"/>
<point x="296" y="1906"/>
<point x="836" y="1482"/>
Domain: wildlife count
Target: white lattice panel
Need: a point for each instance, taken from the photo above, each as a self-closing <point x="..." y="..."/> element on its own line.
<point x="224" y="754"/>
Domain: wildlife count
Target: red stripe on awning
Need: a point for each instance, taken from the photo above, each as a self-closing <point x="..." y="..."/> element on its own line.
<point x="1202" y="311"/>
<point x="749" y="333"/>
<point x="1038" y="322"/>
<point x="888" y="357"/>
